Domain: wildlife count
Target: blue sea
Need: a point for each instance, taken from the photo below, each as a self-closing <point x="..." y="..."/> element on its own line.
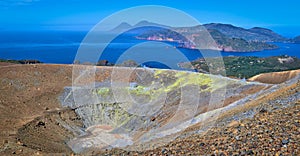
<point x="60" y="47"/>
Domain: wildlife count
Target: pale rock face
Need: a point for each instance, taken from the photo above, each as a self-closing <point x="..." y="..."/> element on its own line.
<point x="286" y="60"/>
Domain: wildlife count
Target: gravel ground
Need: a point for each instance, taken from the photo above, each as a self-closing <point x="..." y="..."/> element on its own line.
<point x="274" y="129"/>
<point x="268" y="133"/>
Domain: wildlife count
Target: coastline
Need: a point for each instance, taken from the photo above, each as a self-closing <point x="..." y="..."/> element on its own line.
<point x="221" y="49"/>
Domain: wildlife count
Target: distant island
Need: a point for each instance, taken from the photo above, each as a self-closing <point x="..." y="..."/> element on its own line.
<point x="228" y="38"/>
<point x="297" y="39"/>
<point x="20" y="61"/>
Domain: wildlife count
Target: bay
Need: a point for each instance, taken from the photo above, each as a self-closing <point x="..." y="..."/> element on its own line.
<point x="60" y="47"/>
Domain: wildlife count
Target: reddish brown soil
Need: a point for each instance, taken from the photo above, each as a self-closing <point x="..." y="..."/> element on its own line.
<point x="30" y="111"/>
<point x="29" y="95"/>
<point x="6" y="64"/>
<point x="29" y="92"/>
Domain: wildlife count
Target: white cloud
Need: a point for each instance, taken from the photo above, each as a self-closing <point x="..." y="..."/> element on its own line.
<point x="7" y="3"/>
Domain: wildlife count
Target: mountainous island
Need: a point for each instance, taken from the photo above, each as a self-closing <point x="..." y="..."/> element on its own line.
<point x="297" y="39"/>
<point x="228" y="38"/>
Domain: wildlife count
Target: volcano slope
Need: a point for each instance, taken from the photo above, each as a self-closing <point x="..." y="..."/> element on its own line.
<point x="273" y="130"/>
<point x="41" y="112"/>
<point x="161" y="103"/>
<point x="275" y="77"/>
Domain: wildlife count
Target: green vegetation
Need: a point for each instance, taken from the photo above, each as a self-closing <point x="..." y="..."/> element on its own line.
<point x="253" y="34"/>
<point x="21" y="61"/>
<point x="104" y="63"/>
<point x="129" y="63"/>
<point x="103" y="91"/>
<point x="141" y="90"/>
<point x="239" y="42"/>
<point x="10" y="61"/>
<point x="245" y="67"/>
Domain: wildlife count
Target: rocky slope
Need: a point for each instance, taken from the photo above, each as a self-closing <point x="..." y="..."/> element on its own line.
<point x="33" y="121"/>
<point x="238" y="43"/>
<point x="29" y="94"/>
<point x="253" y="34"/>
<point x="268" y="133"/>
<point x="273" y="130"/>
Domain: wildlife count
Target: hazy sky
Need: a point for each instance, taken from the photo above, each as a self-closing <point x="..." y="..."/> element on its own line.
<point x="83" y="14"/>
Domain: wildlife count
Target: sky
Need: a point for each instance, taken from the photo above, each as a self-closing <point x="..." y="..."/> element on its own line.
<point x="281" y="16"/>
